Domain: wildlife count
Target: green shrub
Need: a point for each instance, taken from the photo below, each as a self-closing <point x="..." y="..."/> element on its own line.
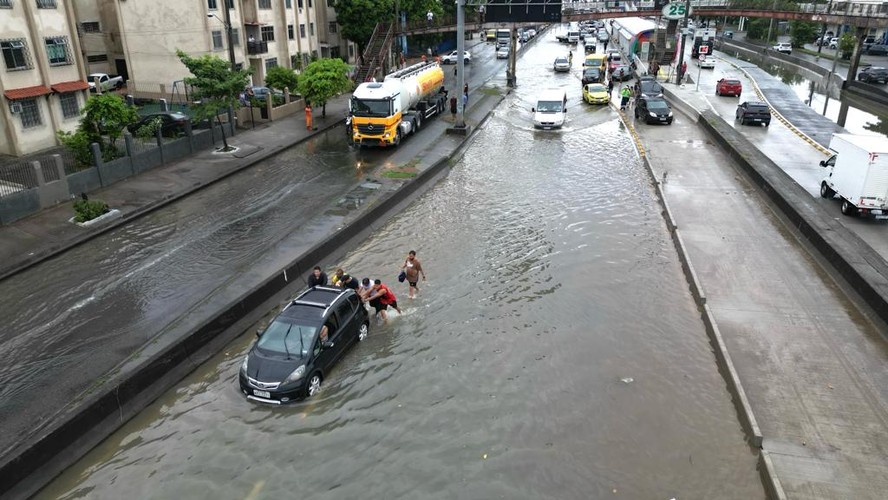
<point x="78" y="142"/>
<point x="85" y="210"/>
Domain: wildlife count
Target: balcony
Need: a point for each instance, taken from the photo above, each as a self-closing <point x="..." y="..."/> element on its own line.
<point x="257" y="47"/>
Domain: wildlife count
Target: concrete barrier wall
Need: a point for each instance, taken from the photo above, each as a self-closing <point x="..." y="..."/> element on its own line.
<point x="861" y="266"/>
<point x="96" y="414"/>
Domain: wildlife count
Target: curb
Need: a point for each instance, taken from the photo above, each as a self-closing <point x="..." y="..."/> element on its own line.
<point x="723" y="358"/>
<point x="126" y="217"/>
<point x="53" y="449"/>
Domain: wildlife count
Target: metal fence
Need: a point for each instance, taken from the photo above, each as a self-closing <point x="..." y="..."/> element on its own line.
<point x="15" y="177"/>
<point x="18" y="174"/>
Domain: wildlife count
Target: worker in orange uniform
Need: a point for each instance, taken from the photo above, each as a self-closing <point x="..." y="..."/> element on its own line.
<point x="308" y="116"/>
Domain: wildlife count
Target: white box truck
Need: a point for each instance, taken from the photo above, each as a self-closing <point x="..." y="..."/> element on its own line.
<point x="858" y="174"/>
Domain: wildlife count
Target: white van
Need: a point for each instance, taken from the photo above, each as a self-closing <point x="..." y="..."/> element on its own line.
<point x="550" y="109"/>
<point x="573" y="33"/>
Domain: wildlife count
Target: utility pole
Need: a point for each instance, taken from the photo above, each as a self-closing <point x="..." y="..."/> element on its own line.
<point x="678" y="73"/>
<point x="460" y="61"/>
<point x="229" y="30"/>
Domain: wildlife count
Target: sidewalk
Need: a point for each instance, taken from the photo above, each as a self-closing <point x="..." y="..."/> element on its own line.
<point x="33" y="239"/>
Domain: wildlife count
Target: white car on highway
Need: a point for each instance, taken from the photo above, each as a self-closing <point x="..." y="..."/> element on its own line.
<point x="705" y="62"/>
<point x="502" y="53"/>
<point x="451" y="58"/>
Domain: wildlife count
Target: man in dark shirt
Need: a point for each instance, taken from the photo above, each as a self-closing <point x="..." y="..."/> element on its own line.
<point x="349" y="281"/>
<point x="317" y="278"/>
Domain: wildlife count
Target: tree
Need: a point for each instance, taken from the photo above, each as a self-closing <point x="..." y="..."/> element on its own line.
<point x="104" y="118"/>
<point x="802" y="32"/>
<point x="846" y="45"/>
<point x="216" y="86"/>
<point x="757" y="29"/>
<point x="323" y="79"/>
<point x="357" y="18"/>
<point x="280" y="78"/>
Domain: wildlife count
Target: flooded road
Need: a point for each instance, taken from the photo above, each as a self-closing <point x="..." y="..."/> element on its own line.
<point x="554" y="352"/>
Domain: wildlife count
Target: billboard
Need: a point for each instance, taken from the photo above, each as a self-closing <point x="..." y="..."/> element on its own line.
<point x="523" y="11"/>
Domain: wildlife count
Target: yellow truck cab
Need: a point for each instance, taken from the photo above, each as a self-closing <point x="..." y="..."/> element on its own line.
<point x="596" y="61"/>
<point x="490" y="36"/>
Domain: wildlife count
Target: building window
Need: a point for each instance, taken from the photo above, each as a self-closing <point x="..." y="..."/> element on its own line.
<point x="235" y="37"/>
<point x="70" y="107"/>
<point x="271" y="62"/>
<point x="30" y="113"/>
<point x="267" y="33"/>
<point x="90" y="27"/>
<point x="229" y="4"/>
<point x="46" y="4"/>
<point x="57" y="50"/>
<point x="301" y="31"/>
<point x="264" y="4"/>
<point x="332" y="28"/>
<point x="334" y="52"/>
<point x="290" y="32"/>
<point x="305" y="60"/>
<point x="299" y="3"/>
<point x="311" y="29"/>
<point x="5" y="4"/>
<point x="15" y="54"/>
<point x="288" y="4"/>
<point x="97" y="58"/>
<point x="309" y="4"/>
<point x="212" y="5"/>
<point x="217" y="40"/>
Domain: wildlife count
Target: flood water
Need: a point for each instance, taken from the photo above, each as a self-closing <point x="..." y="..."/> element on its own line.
<point x="554" y="352"/>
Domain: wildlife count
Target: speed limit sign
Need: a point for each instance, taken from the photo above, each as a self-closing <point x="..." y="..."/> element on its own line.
<point x="704" y="49"/>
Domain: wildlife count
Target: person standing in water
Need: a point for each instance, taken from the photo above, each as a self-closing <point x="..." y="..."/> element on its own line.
<point x="413" y="268"/>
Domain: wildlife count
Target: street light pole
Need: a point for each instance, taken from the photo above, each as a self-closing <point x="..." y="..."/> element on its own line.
<point x="678" y="73"/>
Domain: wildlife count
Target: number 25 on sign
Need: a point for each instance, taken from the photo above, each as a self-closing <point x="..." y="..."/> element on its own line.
<point x="674" y="11"/>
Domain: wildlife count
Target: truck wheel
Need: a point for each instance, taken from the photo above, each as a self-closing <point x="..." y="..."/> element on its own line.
<point x="417" y="122"/>
<point x="825" y="191"/>
<point x="847" y="208"/>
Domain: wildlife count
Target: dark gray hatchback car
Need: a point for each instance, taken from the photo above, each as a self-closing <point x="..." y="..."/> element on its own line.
<point x="292" y="357"/>
<point x="753" y="112"/>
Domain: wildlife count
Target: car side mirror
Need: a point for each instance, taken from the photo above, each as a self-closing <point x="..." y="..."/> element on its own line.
<point x="327" y="344"/>
<point x="822" y="163"/>
<point x="259" y="332"/>
<point x="532" y="110"/>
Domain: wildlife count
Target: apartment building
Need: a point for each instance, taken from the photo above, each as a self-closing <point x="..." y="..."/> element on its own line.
<point x="43" y="76"/>
<point x="138" y="40"/>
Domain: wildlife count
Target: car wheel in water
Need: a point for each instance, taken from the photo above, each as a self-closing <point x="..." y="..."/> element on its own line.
<point x="825" y="191"/>
<point x="363" y="331"/>
<point x="314" y="385"/>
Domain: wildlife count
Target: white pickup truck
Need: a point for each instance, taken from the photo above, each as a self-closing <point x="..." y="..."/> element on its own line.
<point x="106" y="81"/>
<point x="858" y="174"/>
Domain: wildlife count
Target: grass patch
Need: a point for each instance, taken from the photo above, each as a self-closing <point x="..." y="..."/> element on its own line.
<point x="399" y="174"/>
<point x="490" y="91"/>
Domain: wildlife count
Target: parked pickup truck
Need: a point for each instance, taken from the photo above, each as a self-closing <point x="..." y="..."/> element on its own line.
<point x="858" y="174"/>
<point x="106" y="81"/>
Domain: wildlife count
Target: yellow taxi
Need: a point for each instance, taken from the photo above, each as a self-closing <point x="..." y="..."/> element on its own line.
<point x="595" y="93"/>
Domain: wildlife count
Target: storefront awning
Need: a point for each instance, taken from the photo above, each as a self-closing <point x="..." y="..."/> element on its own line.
<point x="72" y="86"/>
<point x="26" y="92"/>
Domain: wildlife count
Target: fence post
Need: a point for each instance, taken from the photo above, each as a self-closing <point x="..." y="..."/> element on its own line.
<point x="130" y="101"/>
<point x="130" y="150"/>
<point x="231" y="126"/>
<point x="189" y="133"/>
<point x="159" y="136"/>
<point x="97" y="158"/>
<point x="163" y="105"/>
<point x="38" y="173"/>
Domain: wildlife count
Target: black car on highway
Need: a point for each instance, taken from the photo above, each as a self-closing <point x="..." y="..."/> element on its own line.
<point x="653" y="110"/>
<point x="297" y="350"/>
<point x="591" y="75"/>
<point x="753" y="112"/>
<point x="873" y="74"/>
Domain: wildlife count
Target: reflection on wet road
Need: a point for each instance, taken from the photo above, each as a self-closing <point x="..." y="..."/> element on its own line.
<point x="554" y="352"/>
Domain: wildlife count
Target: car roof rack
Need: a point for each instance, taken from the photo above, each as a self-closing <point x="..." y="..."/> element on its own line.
<point x="309" y="303"/>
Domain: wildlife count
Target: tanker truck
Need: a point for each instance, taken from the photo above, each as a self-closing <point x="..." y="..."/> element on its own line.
<point x="384" y="113"/>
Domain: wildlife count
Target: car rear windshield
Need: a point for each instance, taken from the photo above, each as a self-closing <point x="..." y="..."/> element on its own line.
<point x="758" y="108"/>
<point x="732" y="82"/>
<point x="284" y="337"/>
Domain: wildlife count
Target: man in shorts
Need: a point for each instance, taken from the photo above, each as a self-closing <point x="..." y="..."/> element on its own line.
<point x="381" y="297"/>
<point x="413" y="268"/>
